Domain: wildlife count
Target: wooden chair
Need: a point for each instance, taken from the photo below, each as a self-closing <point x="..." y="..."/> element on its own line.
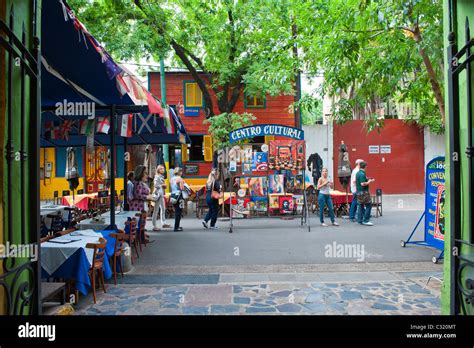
<point x="118" y="250"/>
<point x="97" y="264"/>
<point x="131" y="227"/>
<point x="62" y="233"/>
<point x="141" y="228"/>
<point x="377" y="202"/>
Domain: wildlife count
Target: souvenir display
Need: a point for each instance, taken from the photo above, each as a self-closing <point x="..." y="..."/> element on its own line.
<point x="260" y="161"/>
<point x="286" y="154"/>
<point x="257" y="186"/>
<point x="274" y="202"/>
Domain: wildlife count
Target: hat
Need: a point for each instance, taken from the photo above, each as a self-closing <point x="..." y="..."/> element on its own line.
<point x="359" y="161"/>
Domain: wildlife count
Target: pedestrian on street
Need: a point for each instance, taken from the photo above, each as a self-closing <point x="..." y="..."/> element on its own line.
<point x="159" y="198"/>
<point x="177" y="199"/>
<point x="213" y="192"/>
<point x="363" y="195"/>
<point x="130" y="185"/>
<point x="324" y="198"/>
<point x="353" y="209"/>
<point x="141" y="190"/>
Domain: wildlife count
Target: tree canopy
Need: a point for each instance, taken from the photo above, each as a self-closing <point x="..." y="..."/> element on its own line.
<point x="370" y="51"/>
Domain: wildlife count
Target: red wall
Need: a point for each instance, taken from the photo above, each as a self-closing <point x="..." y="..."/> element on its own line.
<point x="401" y="171"/>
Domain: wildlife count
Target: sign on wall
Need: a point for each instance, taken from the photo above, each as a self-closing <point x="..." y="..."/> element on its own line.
<point x="385" y="148"/>
<point x="435" y="202"/>
<point x="266" y="130"/>
<point x="373" y="149"/>
<point x="191" y="169"/>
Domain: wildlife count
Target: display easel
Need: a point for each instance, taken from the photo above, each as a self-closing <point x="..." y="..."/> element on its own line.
<point x="240" y="174"/>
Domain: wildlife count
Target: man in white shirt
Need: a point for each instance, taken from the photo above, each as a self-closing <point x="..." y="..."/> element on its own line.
<point x="353" y="209"/>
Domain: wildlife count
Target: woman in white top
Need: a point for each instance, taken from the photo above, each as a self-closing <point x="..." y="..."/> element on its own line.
<point x="324" y="197"/>
<point x="159" y="198"/>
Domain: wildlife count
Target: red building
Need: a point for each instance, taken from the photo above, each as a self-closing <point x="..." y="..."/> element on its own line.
<point x="183" y="91"/>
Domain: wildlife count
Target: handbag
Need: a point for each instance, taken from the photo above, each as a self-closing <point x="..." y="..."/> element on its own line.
<point x="364" y="198"/>
<point x="215" y="194"/>
<point x="175" y="197"/>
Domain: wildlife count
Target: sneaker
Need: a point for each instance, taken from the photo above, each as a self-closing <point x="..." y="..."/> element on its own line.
<point x="166" y="226"/>
<point x="324" y="225"/>
<point x="367" y="223"/>
<point x="179" y="229"/>
<point x="204" y="223"/>
<point x="335" y="223"/>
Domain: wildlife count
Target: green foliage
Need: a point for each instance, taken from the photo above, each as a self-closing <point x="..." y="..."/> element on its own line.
<point x="369" y="51"/>
<point x="221" y="125"/>
<point x="311" y="109"/>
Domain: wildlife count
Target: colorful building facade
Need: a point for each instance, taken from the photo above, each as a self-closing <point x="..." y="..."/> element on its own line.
<point x="183" y="91"/>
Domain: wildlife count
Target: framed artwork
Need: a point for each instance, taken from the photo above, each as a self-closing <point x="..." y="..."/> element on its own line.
<point x="286" y="204"/>
<point x="260" y="203"/>
<point x="276" y="183"/>
<point x="274" y="202"/>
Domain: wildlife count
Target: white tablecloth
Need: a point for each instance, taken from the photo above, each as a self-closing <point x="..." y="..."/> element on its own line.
<point x="120" y="219"/>
<point x="53" y="255"/>
<point x="53" y="209"/>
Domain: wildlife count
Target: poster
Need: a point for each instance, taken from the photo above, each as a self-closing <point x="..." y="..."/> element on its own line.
<point x="260" y="203"/>
<point x="286" y="204"/>
<point x="257" y="186"/>
<point x="276" y="183"/>
<point x="286" y="155"/>
<point x="434" y="203"/>
<point x="260" y="161"/>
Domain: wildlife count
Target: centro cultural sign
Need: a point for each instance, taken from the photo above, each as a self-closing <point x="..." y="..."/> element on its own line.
<point x="264" y="130"/>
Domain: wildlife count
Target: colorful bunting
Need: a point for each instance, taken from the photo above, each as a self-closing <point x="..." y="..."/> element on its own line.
<point x="51" y="130"/>
<point x="87" y="127"/>
<point x="153" y="105"/>
<point x="65" y="128"/>
<point x="126" y="125"/>
<point x="144" y="123"/>
<point x="103" y="125"/>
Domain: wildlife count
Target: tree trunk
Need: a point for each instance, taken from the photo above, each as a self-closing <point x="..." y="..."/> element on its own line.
<point x="431" y="74"/>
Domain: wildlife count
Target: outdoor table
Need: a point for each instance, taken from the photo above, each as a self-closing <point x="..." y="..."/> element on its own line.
<point x="54" y="210"/>
<point x="339" y="197"/>
<point x="73" y="260"/>
<point x="79" y="201"/>
<point x="120" y="219"/>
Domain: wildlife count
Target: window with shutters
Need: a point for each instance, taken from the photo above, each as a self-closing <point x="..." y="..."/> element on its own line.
<point x="255" y="101"/>
<point x="192" y="95"/>
<point x="196" y="148"/>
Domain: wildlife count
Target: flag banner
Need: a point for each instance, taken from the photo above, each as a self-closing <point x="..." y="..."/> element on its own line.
<point x="167" y="120"/>
<point x="121" y="85"/>
<point x="103" y="125"/>
<point x="180" y="130"/>
<point x="66" y="128"/>
<point x="154" y="106"/>
<point x="90" y="144"/>
<point x="51" y="130"/>
<point x="87" y="127"/>
<point x="126" y="125"/>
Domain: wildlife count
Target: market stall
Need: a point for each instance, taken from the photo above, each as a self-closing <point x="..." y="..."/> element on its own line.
<point x="267" y="180"/>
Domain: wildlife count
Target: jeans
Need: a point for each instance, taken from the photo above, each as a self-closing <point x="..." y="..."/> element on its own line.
<point x="213" y="210"/>
<point x="323" y="200"/>
<point x="159" y="205"/>
<point x="178" y="209"/>
<point x="353" y="209"/>
<point x="364" y="212"/>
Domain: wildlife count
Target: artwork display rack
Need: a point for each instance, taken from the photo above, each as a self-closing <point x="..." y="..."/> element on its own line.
<point x="303" y="215"/>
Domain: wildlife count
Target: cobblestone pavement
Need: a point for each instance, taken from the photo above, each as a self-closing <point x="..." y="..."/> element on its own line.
<point x="402" y="297"/>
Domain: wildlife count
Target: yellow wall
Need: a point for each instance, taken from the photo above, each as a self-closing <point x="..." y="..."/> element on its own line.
<point x="49" y="185"/>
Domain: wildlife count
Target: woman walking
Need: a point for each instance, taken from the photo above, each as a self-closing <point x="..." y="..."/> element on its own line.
<point x="213" y="189"/>
<point x="159" y="198"/>
<point x="177" y="187"/>
<point x="324" y="197"/>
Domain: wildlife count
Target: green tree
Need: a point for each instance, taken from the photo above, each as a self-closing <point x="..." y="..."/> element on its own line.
<point x="221" y="125"/>
<point x="375" y="51"/>
<point x="234" y="43"/>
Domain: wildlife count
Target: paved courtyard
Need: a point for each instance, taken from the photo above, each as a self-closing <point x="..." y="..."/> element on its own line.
<point x="399" y="294"/>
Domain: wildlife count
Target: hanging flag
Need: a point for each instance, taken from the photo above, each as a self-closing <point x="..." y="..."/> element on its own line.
<point x="144" y="123"/>
<point x="111" y="68"/>
<point x="87" y="127"/>
<point x="180" y="130"/>
<point x="103" y="125"/>
<point x="121" y="85"/>
<point x="126" y="126"/>
<point x="167" y="121"/>
<point x="153" y="105"/>
<point x="51" y="130"/>
<point x="65" y="128"/>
